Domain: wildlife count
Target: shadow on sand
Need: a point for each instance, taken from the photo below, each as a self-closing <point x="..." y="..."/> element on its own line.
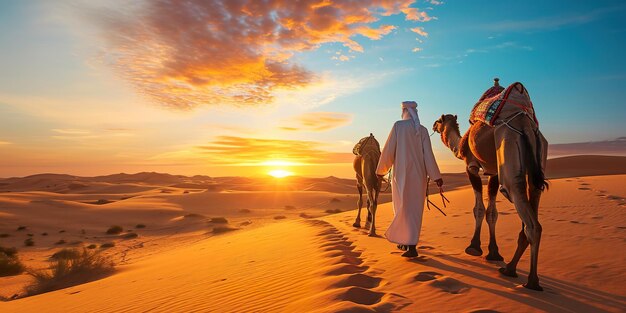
<point x="559" y="295"/>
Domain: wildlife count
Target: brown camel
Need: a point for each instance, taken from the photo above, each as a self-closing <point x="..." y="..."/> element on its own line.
<point x="513" y="155"/>
<point x="365" y="164"/>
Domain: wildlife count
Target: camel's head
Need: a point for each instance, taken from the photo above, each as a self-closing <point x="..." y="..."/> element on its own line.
<point x="443" y="122"/>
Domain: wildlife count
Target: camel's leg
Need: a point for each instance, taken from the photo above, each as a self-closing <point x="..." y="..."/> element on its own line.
<point x="368" y="220"/>
<point x="479" y="211"/>
<point x="492" y="218"/>
<point x="374" y="197"/>
<point x="532" y="228"/>
<point x="359" y="204"/>
<point x="533" y="278"/>
<point x="522" y="244"/>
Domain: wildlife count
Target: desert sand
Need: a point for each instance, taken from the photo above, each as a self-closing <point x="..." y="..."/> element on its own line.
<point x="282" y="250"/>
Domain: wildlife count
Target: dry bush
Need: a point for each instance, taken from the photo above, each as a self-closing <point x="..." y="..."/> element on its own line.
<point x="140" y="226"/>
<point x="9" y="263"/>
<point x="114" y="230"/>
<point x="29" y="242"/>
<point x="219" y="220"/>
<point x="280" y="217"/>
<point x="65" y="254"/>
<point x="222" y="229"/>
<point x="107" y="245"/>
<point x="92" y="246"/>
<point x="130" y="236"/>
<point x="77" y="267"/>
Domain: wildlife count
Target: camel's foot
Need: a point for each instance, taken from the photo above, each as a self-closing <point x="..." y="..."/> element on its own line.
<point x="402" y="247"/>
<point x="367" y="225"/>
<point x="507" y="272"/>
<point x="411" y="253"/>
<point x="474" y="250"/>
<point x="372" y="233"/>
<point x="357" y="224"/>
<point x="534" y="285"/>
<point x="494" y="256"/>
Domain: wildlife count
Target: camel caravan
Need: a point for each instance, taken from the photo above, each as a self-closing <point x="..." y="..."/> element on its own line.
<point x="503" y="140"/>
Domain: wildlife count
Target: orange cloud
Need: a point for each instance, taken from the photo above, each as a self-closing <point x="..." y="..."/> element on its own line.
<point x="420" y="31"/>
<point x="232" y="150"/>
<point x="196" y="52"/>
<point x="319" y="121"/>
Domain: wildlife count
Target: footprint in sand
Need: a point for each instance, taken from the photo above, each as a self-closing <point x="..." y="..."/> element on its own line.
<point x="450" y="285"/>
<point x="583" y="188"/>
<point x="361" y="296"/>
<point x="359" y="280"/>
<point x="426" y="276"/>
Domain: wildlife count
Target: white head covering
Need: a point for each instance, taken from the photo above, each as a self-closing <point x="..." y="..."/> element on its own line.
<point x="409" y="111"/>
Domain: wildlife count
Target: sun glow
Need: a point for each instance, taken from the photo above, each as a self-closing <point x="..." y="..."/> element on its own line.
<point x="279" y="173"/>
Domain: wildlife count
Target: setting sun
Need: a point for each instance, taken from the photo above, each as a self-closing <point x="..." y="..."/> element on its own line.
<point x="280" y="173"/>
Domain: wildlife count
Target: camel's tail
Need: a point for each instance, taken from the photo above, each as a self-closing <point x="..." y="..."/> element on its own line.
<point x="537" y="151"/>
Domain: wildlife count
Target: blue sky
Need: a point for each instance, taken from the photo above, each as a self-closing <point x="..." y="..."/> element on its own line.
<point x="73" y="88"/>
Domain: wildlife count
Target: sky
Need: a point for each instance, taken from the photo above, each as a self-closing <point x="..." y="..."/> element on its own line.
<point x="242" y="88"/>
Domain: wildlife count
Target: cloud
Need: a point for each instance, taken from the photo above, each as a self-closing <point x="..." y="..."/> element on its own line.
<point x="318" y="121"/>
<point x="420" y="31"/>
<point x="192" y="53"/>
<point x="609" y="147"/>
<point x="241" y="151"/>
<point x="2" y="143"/>
<point x="416" y="49"/>
<point x="435" y="2"/>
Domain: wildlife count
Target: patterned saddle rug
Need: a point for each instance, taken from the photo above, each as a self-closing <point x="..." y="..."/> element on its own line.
<point x="368" y="143"/>
<point x="498" y="103"/>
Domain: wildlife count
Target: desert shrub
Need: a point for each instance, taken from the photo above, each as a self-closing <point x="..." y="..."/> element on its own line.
<point x="21" y="228"/>
<point x="65" y="254"/>
<point x="130" y="236"/>
<point x="61" y="231"/>
<point x="92" y="246"/>
<point x="10" y="252"/>
<point x="219" y="220"/>
<point x="9" y="263"/>
<point x="60" y="242"/>
<point x="29" y="242"/>
<point x="194" y="215"/>
<point x="44" y="234"/>
<point x="114" y="230"/>
<point x="140" y="226"/>
<point x="30" y="235"/>
<point x="222" y="229"/>
<point x="4" y="235"/>
<point x="107" y="245"/>
<point x="280" y="217"/>
<point x="77" y="267"/>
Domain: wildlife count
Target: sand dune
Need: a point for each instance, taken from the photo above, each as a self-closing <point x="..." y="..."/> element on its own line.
<point x="326" y="265"/>
<point x="258" y="244"/>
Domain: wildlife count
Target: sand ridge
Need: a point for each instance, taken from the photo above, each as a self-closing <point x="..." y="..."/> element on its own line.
<point x="326" y="265"/>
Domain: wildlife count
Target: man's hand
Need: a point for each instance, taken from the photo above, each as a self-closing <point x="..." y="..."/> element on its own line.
<point x="439" y="182"/>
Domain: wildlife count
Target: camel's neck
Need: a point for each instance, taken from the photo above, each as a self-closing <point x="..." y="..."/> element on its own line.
<point x="451" y="137"/>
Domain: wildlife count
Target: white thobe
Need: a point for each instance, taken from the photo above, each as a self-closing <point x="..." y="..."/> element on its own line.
<point x="410" y="156"/>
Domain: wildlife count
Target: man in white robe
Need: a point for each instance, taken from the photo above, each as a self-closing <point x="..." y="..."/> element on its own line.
<point x="410" y="156"/>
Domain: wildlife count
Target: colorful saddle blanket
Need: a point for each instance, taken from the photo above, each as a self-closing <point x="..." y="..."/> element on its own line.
<point x="368" y="141"/>
<point x="498" y="103"/>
